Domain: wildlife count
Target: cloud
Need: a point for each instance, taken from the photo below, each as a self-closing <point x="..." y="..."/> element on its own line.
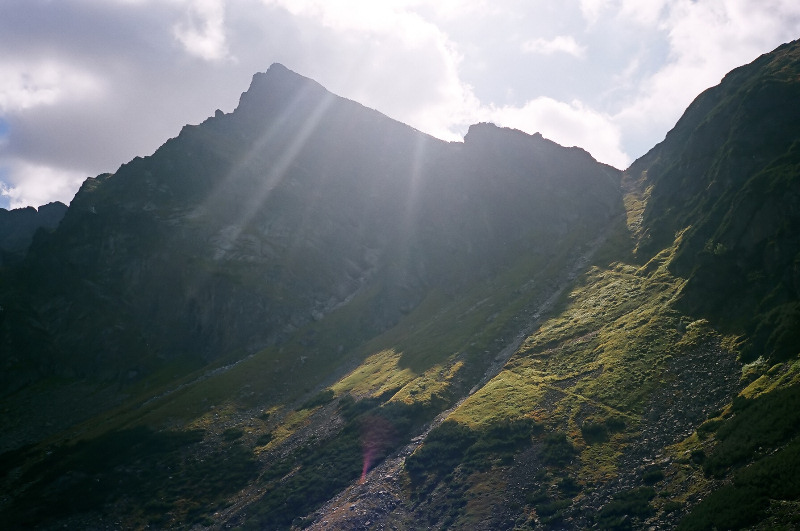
<point x="592" y="9"/>
<point x="644" y="13"/>
<point x="568" y="124"/>
<point x="561" y="44"/>
<point x="93" y="84"/>
<point x="705" y="40"/>
<point x="387" y="56"/>
<point x="27" y="85"/>
<point x="86" y="85"/>
<point x="36" y="185"/>
<point x="202" y="32"/>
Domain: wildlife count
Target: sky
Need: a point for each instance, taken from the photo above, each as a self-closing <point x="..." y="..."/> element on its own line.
<point x="87" y="85"/>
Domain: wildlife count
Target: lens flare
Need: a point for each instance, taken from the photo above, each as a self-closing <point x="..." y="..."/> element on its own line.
<point x="377" y="436"/>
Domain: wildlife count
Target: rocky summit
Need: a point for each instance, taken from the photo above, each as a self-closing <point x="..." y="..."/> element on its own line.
<point x="304" y="314"/>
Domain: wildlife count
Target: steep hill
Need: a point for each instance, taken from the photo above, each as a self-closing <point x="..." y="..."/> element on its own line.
<point x="727" y="175"/>
<point x="303" y="314"/>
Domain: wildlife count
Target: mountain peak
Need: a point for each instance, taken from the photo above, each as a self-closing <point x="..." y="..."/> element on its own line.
<point x="484" y="130"/>
<point x="487" y="134"/>
<point x="277" y="86"/>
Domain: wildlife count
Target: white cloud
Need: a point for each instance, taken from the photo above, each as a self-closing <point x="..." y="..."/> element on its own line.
<point x="561" y="44"/>
<point x="86" y="85"/>
<point x="35" y="185"/>
<point x="202" y="32"/>
<point x="24" y="85"/>
<point x="592" y="9"/>
<point x="645" y="13"/>
<point x="387" y="56"/>
<point x="706" y="40"/>
<point x="568" y="124"/>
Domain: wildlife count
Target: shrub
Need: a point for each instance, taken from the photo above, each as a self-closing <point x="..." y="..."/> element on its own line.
<point x="626" y="507"/>
<point x="231" y="434"/>
<point x="134" y="465"/>
<point x="652" y="475"/>
<point x="557" y="450"/>
<point x="320" y="399"/>
<point x="726" y="508"/>
<point x="594" y="433"/>
<point x="264" y="439"/>
<point x="615" y="424"/>
<point x="498" y="443"/>
<point x="708" y="427"/>
<point x="442" y="451"/>
<point x="569" y="487"/>
<point x="764" y="422"/>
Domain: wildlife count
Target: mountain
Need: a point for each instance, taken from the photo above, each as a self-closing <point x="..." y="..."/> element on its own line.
<point x="303" y="314"/>
<point x="252" y="225"/>
<point x="727" y="175"/>
<point x="18" y="226"/>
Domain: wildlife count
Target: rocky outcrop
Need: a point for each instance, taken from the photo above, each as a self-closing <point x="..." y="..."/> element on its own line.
<point x="18" y="226"/>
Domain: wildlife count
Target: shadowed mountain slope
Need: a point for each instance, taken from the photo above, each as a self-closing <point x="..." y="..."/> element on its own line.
<point x="252" y="225"/>
<point x="304" y="315"/>
<point x="727" y="176"/>
<point x="18" y="226"/>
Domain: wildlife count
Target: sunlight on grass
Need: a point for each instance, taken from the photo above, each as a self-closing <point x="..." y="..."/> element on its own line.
<point x="776" y="377"/>
<point x="214" y="416"/>
<point x="599" y="462"/>
<point x="429" y="387"/>
<point x="590" y="368"/>
<point x="508" y="396"/>
<point x="376" y="375"/>
<point x="293" y="422"/>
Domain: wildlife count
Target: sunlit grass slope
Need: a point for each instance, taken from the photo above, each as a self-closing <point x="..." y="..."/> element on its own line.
<point x="581" y="389"/>
<point x="591" y="395"/>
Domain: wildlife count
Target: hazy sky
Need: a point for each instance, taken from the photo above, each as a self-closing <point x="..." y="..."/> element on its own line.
<point x="86" y="85"/>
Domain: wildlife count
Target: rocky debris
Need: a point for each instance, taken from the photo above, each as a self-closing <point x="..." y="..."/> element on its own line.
<point x="702" y="380"/>
<point x="378" y="502"/>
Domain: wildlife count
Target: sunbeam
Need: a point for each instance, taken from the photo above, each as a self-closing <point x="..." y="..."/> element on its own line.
<point x="274" y="133"/>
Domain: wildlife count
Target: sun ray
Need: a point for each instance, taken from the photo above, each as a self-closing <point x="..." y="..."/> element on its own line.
<point x="248" y="163"/>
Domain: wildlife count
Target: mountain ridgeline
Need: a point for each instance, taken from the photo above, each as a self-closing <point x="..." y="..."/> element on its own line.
<point x="247" y="227"/>
<point x="304" y="314"/>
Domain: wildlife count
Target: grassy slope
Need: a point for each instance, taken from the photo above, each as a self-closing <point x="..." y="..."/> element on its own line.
<point x="556" y="437"/>
<point x="548" y="436"/>
<point x="600" y="376"/>
<point x="587" y="373"/>
<point x="272" y="413"/>
<point x="619" y="410"/>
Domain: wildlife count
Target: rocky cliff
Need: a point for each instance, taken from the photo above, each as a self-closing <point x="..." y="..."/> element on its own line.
<point x="18" y="226"/>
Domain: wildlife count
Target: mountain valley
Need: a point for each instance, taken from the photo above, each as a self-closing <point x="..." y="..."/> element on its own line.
<point x="303" y="314"/>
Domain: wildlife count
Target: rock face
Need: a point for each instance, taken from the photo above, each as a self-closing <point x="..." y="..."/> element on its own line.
<point x="727" y="174"/>
<point x="252" y="224"/>
<point x="18" y="226"/>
